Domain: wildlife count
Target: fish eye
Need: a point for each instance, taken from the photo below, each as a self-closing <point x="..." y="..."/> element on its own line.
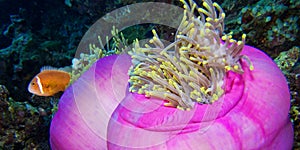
<point x="32" y="83"/>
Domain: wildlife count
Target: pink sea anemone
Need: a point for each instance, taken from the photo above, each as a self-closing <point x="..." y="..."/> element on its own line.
<point x="240" y="99"/>
<point x="253" y="113"/>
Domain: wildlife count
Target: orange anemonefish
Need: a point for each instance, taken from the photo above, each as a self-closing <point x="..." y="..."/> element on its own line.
<point x="49" y="81"/>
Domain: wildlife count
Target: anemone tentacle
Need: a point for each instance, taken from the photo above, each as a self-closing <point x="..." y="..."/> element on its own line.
<point x="192" y="68"/>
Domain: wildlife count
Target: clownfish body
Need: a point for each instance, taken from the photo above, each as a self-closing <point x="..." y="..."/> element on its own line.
<point x="49" y="82"/>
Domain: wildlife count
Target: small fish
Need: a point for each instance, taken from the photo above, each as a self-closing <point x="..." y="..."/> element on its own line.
<point x="49" y="81"/>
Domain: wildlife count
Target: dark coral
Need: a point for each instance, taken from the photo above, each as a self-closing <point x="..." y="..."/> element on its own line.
<point x="24" y="125"/>
<point x="272" y="26"/>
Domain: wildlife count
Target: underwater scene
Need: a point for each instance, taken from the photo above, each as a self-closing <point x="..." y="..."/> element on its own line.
<point x="149" y="74"/>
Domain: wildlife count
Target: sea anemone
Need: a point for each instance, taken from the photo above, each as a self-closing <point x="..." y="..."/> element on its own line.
<point x="192" y="68"/>
<point x="202" y="91"/>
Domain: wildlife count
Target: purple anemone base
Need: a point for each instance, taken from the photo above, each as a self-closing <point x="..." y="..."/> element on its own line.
<point x="98" y="112"/>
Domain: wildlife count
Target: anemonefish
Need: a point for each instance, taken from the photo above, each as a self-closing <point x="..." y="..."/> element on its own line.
<point x="49" y="81"/>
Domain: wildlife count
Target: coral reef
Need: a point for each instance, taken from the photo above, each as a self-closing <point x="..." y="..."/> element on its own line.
<point x="24" y="125"/>
<point x="272" y="26"/>
<point x="287" y="59"/>
<point x="288" y="62"/>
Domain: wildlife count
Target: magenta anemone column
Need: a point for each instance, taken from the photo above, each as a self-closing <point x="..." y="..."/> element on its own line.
<point x="253" y="113"/>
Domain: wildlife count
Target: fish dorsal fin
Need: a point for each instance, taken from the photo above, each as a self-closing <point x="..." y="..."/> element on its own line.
<point x="63" y="69"/>
<point x="48" y="68"/>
